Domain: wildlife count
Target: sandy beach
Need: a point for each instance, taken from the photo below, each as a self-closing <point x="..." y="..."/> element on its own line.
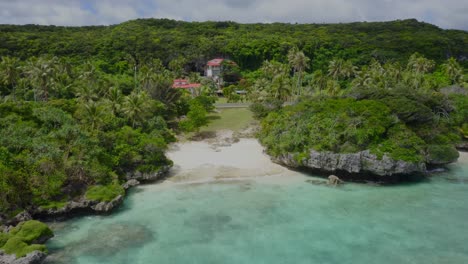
<point x="216" y="160"/>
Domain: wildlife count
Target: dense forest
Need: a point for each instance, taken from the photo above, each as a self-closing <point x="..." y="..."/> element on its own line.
<point x="81" y="108"/>
<point x="138" y="41"/>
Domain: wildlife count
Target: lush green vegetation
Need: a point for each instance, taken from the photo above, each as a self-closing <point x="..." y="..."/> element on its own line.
<point x="65" y="127"/>
<point x="104" y="193"/>
<point x="80" y="107"/>
<point x="234" y="119"/>
<point x="386" y="108"/>
<point x="20" y="240"/>
<point x="136" y="42"/>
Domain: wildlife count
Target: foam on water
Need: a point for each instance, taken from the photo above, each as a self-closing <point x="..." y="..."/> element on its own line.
<point x="273" y="220"/>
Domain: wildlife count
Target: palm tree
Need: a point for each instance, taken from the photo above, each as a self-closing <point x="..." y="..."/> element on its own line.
<point x="10" y="72"/>
<point x="136" y="107"/>
<point x="93" y="114"/>
<point x="453" y="70"/>
<point x="319" y="81"/>
<point x="86" y="93"/>
<point x="333" y="88"/>
<point x="159" y="87"/>
<point x="114" y="98"/>
<point x="42" y="76"/>
<point x="335" y="67"/>
<point x="177" y="66"/>
<point x="348" y="69"/>
<point x="270" y="69"/>
<point x="281" y="87"/>
<point x="300" y="62"/>
<point x="418" y="64"/>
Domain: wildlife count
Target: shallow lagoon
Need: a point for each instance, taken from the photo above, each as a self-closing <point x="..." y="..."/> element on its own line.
<point x="247" y="217"/>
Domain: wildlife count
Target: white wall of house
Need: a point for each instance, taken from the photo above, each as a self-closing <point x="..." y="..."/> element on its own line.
<point x="213" y="71"/>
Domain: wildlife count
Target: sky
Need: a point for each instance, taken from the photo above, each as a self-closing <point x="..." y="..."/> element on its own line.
<point x="451" y="14"/>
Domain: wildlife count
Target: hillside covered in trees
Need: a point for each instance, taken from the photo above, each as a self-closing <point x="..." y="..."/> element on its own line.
<point x="138" y="41"/>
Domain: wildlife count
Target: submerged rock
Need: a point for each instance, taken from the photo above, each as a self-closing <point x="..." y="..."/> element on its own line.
<point x="352" y="163"/>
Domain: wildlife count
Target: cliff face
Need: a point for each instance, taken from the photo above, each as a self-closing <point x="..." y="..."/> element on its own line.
<point x="354" y="163"/>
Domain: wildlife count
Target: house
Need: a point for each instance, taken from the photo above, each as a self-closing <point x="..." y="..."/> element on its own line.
<point x="214" y="68"/>
<point x="185" y="84"/>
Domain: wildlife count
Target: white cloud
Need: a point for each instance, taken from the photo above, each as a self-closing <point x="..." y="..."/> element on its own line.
<point x="446" y="14"/>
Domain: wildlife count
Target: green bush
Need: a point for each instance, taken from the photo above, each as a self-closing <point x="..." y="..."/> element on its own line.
<point x="20" y="248"/>
<point x="19" y="240"/>
<point x="31" y="230"/>
<point x="3" y="238"/>
<point x="53" y="205"/>
<point x="400" y="144"/>
<point x="337" y="125"/>
<point x="104" y="193"/>
<point x="441" y="154"/>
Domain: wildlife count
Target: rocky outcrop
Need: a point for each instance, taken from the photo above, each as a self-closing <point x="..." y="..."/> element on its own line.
<point x="148" y="177"/>
<point x="130" y="183"/>
<point x="352" y="163"/>
<point x="35" y="257"/>
<point x="105" y="207"/>
<point x="21" y="217"/>
<point x="81" y="205"/>
<point x="463" y="145"/>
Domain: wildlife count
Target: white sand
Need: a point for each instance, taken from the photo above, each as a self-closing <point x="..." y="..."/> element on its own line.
<point x="463" y="159"/>
<point x="205" y="162"/>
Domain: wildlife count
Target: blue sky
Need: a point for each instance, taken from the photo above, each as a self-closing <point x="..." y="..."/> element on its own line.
<point x="445" y="14"/>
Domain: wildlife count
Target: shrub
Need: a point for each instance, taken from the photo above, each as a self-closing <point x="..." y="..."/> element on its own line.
<point x="104" y="193"/>
<point x="31" y="231"/>
<point x="3" y="238"/>
<point x="441" y="154"/>
<point x="20" y="248"/>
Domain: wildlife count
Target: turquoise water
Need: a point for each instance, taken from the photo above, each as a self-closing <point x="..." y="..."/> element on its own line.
<point x="277" y="222"/>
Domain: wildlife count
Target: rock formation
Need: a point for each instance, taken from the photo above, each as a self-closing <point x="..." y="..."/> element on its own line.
<point x="352" y="163"/>
<point x="35" y="257"/>
<point x="147" y="177"/>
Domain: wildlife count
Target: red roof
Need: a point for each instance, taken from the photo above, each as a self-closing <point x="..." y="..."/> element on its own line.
<point x="184" y="84"/>
<point x="215" y="62"/>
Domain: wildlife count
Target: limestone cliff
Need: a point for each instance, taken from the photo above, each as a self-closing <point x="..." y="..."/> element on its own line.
<point x="362" y="162"/>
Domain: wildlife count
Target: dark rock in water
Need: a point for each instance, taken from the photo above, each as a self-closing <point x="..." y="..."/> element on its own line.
<point x="334" y="180"/>
<point x="35" y="257"/>
<point x="317" y="182"/>
<point x="353" y="163"/>
<point x="107" y="241"/>
<point x="437" y="170"/>
<point x="148" y="177"/>
<point x="457" y="180"/>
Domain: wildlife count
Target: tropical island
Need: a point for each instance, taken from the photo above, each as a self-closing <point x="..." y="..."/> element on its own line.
<point x="86" y="113"/>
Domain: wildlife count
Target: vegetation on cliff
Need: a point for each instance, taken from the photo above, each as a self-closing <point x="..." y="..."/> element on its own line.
<point x="65" y="127"/>
<point x="385" y="108"/>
